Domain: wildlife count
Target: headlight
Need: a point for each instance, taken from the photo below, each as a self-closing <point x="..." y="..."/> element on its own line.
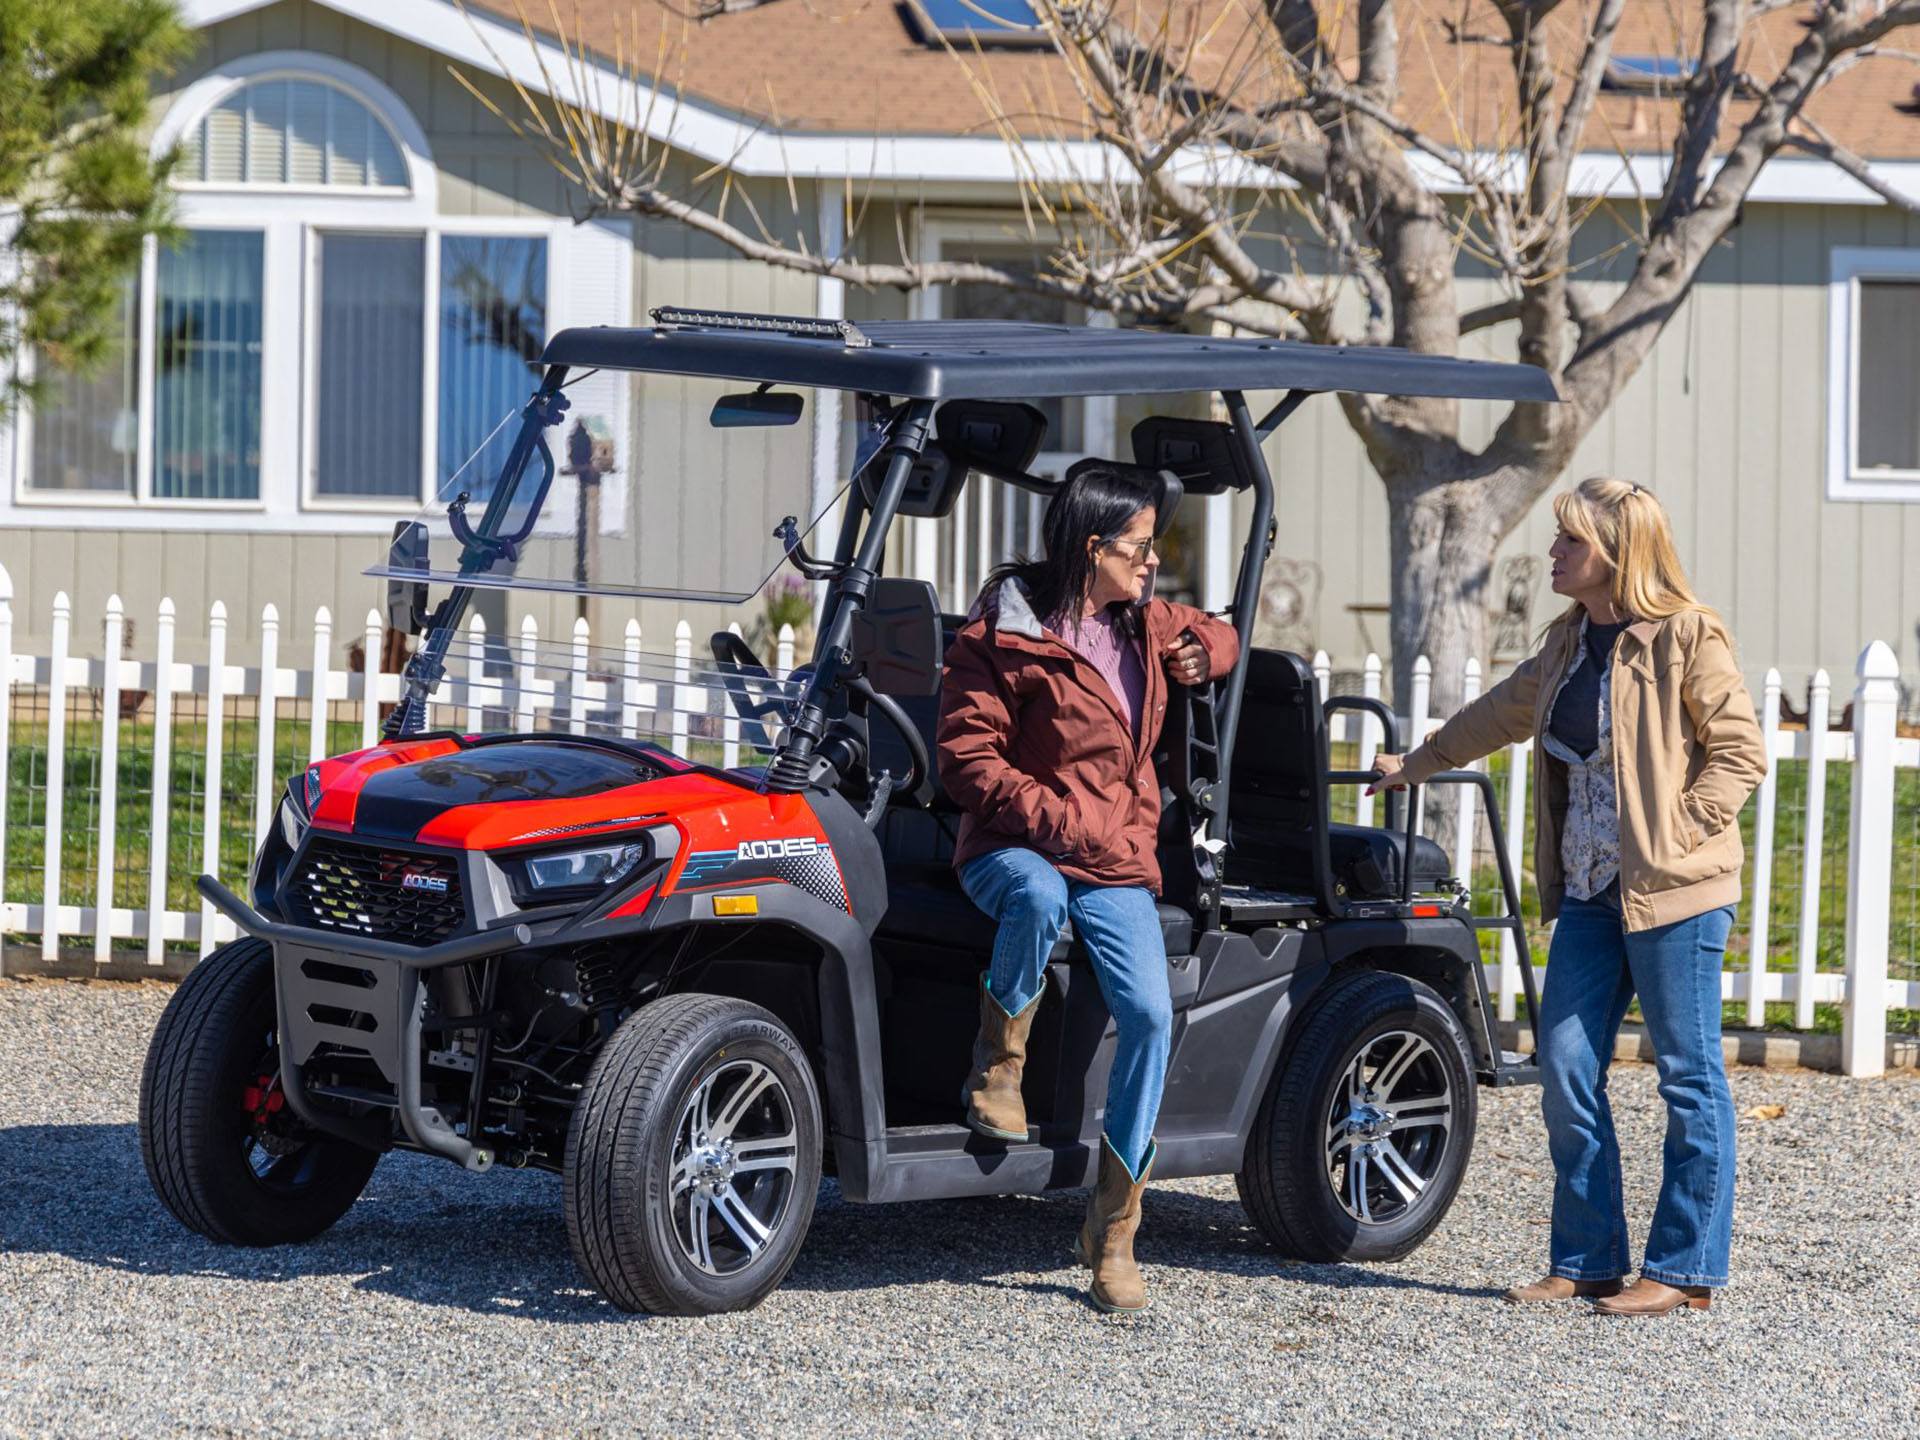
<point x="564" y="874"/>
<point x="293" y="823"/>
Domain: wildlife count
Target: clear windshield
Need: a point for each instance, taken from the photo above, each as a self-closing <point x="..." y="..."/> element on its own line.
<point x="709" y="711"/>
<point x="699" y="513"/>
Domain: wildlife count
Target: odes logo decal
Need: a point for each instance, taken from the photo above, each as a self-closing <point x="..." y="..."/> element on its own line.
<point x="432" y="884"/>
<point x="775" y="849"/>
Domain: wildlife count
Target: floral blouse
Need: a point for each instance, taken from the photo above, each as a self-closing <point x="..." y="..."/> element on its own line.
<point x="1590" y="841"/>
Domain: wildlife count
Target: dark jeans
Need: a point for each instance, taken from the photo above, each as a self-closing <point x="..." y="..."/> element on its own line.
<point x="1594" y="971"/>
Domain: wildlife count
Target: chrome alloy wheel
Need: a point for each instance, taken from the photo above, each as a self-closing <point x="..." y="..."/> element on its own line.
<point x="734" y="1152"/>
<point x="1388" y="1126"/>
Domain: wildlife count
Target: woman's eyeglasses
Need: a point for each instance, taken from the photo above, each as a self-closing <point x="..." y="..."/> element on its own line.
<point x="1133" y="551"/>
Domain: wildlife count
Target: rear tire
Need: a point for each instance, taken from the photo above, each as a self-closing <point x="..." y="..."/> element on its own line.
<point x="693" y="1158"/>
<point x="222" y="1150"/>
<point x="1367" y="1125"/>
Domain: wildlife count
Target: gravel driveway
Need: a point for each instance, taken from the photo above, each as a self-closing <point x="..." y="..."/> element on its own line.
<point x="448" y="1305"/>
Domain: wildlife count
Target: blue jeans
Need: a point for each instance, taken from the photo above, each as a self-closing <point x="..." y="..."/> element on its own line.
<point x="1594" y="971"/>
<point x="1120" y="929"/>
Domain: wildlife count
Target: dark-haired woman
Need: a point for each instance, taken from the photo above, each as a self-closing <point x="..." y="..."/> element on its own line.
<point x="1053" y="698"/>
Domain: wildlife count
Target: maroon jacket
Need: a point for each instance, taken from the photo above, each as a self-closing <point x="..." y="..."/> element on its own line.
<point x="1036" y="748"/>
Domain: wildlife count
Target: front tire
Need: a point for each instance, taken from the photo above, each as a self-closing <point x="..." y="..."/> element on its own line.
<point x="1365" y="1132"/>
<point x="693" y="1158"/>
<point x="223" y="1151"/>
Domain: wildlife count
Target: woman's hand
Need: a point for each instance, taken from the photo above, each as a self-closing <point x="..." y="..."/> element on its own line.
<point x="1388" y="767"/>
<point x="1188" y="661"/>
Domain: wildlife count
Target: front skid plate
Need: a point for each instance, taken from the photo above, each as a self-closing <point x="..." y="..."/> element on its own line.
<point x="353" y="1002"/>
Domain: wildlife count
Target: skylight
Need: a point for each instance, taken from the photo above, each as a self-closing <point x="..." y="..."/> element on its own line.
<point x="1647" y="74"/>
<point x="975" y="22"/>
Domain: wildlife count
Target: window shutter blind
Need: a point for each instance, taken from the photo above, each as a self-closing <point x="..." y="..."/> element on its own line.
<point x="267" y="133"/>
<point x="371" y="310"/>
<point x="493" y="324"/>
<point x="226" y="141"/>
<point x="306" y="133"/>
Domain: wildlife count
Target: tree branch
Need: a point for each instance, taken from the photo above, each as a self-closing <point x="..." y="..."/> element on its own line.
<point x="1826" y="148"/>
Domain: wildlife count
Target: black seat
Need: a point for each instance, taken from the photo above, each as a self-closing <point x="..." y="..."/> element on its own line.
<point x="926" y="904"/>
<point x="1367" y="859"/>
<point x="1278" y="799"/>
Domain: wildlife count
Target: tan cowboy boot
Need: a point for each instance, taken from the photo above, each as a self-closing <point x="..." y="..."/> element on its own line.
<point x="1650" y="1297"/>
<point x="1105" y="1245"/>
<point x="992" y="1094"/>
<point x="1558" y="1287"/>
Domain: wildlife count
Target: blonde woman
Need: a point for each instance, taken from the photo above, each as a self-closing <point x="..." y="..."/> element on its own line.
<point x="1647" y="749"/>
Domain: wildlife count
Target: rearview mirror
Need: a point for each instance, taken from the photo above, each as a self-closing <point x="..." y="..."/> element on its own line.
<point x="756" y="407"/>
<point x="407" y="599"/>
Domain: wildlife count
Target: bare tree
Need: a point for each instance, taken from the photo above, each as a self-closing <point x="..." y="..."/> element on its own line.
<point x="1266" y="167"/>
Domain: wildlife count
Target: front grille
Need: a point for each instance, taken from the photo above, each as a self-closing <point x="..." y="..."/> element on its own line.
<point x="382" y="894"/>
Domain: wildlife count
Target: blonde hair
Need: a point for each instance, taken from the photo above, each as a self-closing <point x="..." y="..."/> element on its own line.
<point x="1628" y="528"/>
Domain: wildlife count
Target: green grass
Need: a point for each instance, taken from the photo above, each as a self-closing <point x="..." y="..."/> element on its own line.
<point x="26" y="805"/>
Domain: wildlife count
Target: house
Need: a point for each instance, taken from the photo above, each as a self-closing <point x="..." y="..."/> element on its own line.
<point x="372" y="255"/>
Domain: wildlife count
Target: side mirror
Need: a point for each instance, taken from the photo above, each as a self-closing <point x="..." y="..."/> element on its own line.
<point x="407" y="599"/>
<point x="756" y="407"/>
<point x="896" y="636"/>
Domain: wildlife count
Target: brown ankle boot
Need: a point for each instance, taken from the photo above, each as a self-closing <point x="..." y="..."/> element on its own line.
<point x="1558" y="1287"/>
<point x="992" y="1094"/>
<point x="1105" y="1245"/>
<point x="1650" y="1297"/>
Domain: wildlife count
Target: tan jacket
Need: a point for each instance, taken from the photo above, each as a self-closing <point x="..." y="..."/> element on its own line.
<point x="1687" y="753"/>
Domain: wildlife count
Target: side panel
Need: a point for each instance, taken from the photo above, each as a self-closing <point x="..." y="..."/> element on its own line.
<point x="1227" y="1043"/>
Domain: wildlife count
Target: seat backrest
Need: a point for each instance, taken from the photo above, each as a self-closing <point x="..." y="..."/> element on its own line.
<point x="1280" y="757"/>
<point x="1277" y="784"/>
<point x="886" y="750"/>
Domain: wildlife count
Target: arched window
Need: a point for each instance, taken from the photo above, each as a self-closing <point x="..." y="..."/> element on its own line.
<point x="294" y="130"/>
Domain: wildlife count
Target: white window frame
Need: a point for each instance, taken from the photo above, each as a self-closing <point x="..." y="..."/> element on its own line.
<point x="430" y="235"/>
<point x="288" y="219"/>
<point x="199" y="107"/>
<point x="27" y="496"/>
<point x="1848" y="266"/>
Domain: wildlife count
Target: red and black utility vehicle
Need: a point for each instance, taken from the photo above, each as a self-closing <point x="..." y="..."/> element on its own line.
<point x="693" y="988"/>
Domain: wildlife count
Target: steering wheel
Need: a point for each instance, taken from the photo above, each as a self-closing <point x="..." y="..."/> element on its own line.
<point x="917" y="781"/>
<point x="751" y="688"/>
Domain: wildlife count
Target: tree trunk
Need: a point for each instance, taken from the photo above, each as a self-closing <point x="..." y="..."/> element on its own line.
<point x="1442" y="541"/>
<point x="1441" y="549"/>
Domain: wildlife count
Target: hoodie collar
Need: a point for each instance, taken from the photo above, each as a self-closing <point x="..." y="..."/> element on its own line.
<point x="1013" y="611"/>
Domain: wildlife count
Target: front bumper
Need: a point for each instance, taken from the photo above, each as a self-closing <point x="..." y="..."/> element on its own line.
<point x="364" y="995"/>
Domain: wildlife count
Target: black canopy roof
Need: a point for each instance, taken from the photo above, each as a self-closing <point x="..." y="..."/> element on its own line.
<point x="1016" y="360"/>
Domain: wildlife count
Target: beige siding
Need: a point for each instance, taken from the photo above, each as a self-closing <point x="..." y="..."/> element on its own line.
<point x="701" y="484"/>
<point x="1727" y="423"/>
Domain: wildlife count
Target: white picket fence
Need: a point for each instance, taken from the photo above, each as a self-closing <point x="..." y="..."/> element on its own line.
<point x="1874" y="749"/>
<point x="628" y="691"/>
